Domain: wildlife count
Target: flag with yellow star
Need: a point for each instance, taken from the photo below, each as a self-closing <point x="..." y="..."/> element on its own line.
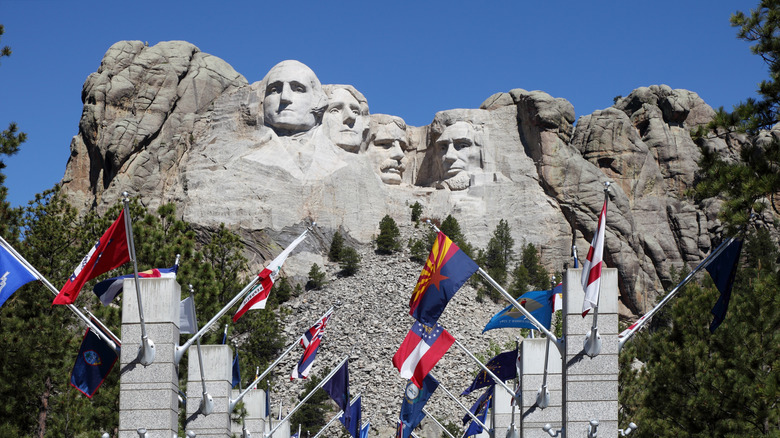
<point x="447" y="268"/>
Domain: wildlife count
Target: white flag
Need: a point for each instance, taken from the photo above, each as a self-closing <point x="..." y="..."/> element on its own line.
<point x="187" y="316"/>
<point x="591" y="268"/>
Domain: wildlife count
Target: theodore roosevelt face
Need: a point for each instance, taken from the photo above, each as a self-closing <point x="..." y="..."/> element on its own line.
<point x="388" y="143"/>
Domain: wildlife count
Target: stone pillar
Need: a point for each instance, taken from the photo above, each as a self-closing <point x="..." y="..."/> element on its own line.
<point x="590" y="385"/>
<point x="501" y="416"/>
<point x="148" y="395"/>
<point x="254" y="403"/>
<point x="532" y="419"/>
<point x="218" y="373"/>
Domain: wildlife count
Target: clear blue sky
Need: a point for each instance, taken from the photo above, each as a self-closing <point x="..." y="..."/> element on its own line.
<point x="409" y="59"/>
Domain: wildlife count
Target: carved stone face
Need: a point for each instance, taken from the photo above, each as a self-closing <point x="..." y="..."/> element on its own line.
<point x="460" y="155"/>
<point x="388" y="143"/>
<point x="343" y="120"/>
<point x="292" y="96"/>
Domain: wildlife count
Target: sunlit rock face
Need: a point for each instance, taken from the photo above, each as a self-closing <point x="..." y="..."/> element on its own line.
<point x="169" y="123"/>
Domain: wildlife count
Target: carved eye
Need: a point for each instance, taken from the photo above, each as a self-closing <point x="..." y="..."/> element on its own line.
<point x="462" y="144"/>
<point x="272" y="89"/>
<point x="334" y="110"/>
<point x="298" y="88"/>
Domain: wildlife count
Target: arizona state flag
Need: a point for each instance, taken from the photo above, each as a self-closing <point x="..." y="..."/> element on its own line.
<point x="109" y="253"/>
<point x="444" y="273"/>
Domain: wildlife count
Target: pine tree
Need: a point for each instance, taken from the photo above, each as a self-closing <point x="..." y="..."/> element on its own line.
<point x="529" y="273"/>
<point x="387" y="241"/>
<point x="694" y="383"/>
<point x="416" y="211"/>
<point x="336" y="245"/>
<point x="311" y="416"/>
<point x="10" y="140"/>
<point x="349" y="261"/>
<point x="316" y="277"/>
<point x="752" y="183"/>
<point x="496" y="258"/>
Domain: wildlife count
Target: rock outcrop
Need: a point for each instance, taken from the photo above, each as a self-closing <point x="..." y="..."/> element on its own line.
<point x="169" y="123"/>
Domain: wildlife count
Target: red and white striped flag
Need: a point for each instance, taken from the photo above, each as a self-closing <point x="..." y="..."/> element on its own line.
<point x="591" y="268"/>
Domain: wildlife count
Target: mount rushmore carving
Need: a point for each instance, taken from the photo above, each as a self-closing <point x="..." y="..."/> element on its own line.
<point x="169" y="123"/>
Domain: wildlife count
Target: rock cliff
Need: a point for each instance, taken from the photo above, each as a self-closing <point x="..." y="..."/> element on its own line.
<point x="169" y="123"/>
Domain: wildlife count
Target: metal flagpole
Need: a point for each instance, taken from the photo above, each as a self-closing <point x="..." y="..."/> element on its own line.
<point x="114" y="346"/>
<point x="526" y="313"/>
<point x="102" y="326"/>
<point x="336" y="417"/>
<point x="625" y="335"/>
<point x="437" y="423"/>
<point x="206" y="403"/>
<point x="592" y="345"/>
<point x="543" y="395"/>
<point x="181" y="349"/>
<point x="512" y="432"/>
<point x="320" y="385"/>
<point x="486" y="369"/>
<point x="462" y="406"/>
<point x="244" y="432"/>
<point x="235" y="401"/>
<point x="146" y="350"/>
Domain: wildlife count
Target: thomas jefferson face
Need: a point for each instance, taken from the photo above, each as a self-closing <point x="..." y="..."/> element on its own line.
<point x="344" y="121"/>
<point x="459" y="154"/>
<point x="387" y="150"/>
<point x="292" y="95"/>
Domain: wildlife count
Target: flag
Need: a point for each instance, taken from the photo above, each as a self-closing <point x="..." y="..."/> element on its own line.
<point x="310" y="341"/>
<point x="591" y="268"/>
<point x="187" y="320"/>
<point x="93" y="364"/>
<point x="476" y="407"/>
<point x="480" y="409"/>
<point x="259" y="294"/>
<point x="107" y="290"/>
<point x="338" y="388"/>
<point x="422" y="347"/>
<point x="224" y="335"/>
<point x="558" y="298"/>
<point x="365" y="429"/>
<point x="109" y="253"/>
<point x="14" y="274"/>
<point x="236" y="371"/>
<point x="267" y="400"/>
<point x="444" y="273"/>
<point x="723" y="270"/>
<point x="414" y="402"/>
<point x="399" y="429"/>
<point x="539" y="303"/>
<point x="352" y="421"/>
<point x="502" y="365"/>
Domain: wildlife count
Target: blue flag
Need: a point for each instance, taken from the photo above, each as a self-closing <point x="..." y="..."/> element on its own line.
<point x="364" y="430"/>
<point x="236" y="371"/>
<point x="479" y="409"/>
<point x="352" y="419"/>
<point x="502" y="365"/>
<point x="723" y="270"/>
<point x="13" y="274"/>
<point x="414" y="402"/>
<point x="539" y="303"/>
<point x="93" y="364"/>
<point x="108" y="289"/>
<point x="338" y="388"/>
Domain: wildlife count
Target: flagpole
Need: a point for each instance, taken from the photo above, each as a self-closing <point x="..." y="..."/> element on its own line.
<point x="146" y="351"/>
<point x="102" y="327"/>
<point x="437" y="422"/>
<point x="462" y="406"/>
<point x="543" y="395"/>
<point x="512" y="432"/>
<point x="270" y="367"/>
<point x="207" y="402"/>
<point x="321" y="431"/>
<point x="244" y="432"/>
<point x="114" y="346"/>
<point x="338" y="415"/>
<point x="526" y="313"/>
<point x="592" y="345"/>
<point x="182" y="348"/>
<point x="625" y="335"/>
<point x="486" y="369"/>
<point x="320" y="385"/>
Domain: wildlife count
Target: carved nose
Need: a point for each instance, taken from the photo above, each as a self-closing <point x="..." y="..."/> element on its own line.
<point x="451" y="155"/>
<point x="349" y="118"/>
<point x="396" y="153"/>
<point x="286" y="96"/>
